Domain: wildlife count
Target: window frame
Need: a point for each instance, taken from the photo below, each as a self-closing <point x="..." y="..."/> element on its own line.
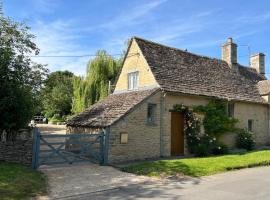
<point x="132" y="75"/>
<point x="250" y="126"/>
<point x="231" y="109"/>
<point x="152" y="106"/>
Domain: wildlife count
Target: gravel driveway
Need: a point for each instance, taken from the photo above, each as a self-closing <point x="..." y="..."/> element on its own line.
<point x="72" y="181"/>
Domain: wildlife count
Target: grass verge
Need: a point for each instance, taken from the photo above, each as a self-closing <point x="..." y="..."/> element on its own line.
<point x="20" y="182"/>
<point x="197" y="167"/>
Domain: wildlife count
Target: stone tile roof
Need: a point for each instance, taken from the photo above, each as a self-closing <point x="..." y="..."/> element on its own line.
<point x="180" y="71"/>
<point x="264" y="87"/>
<point x="110" y="109"/>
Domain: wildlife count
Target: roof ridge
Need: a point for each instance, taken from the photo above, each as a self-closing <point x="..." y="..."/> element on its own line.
<point x="178" y="49"/>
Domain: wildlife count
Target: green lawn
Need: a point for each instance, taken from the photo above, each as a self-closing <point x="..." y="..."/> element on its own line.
<point x="201" y="166"/>
<point x="20" y="182"/>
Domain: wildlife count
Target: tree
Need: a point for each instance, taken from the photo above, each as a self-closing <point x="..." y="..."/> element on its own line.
<point x="79" y="95"/>
<point x="57" y="93"/>
<point x="20" y="78"/>
<point x="100" y="71"/>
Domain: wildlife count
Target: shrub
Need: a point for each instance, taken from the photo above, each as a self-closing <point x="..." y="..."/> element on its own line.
<point x="205" y="146"/>
<point x="220" y="149"/>
<point x="202" y="150"/>
<point x="245" y="140"/>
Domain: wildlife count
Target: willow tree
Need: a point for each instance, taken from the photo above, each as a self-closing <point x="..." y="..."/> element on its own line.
<point x="102" y="69"/>
<point x="79" y="95"/>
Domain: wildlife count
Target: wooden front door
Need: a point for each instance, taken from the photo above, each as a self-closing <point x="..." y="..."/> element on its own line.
<point x="177" y="134"/>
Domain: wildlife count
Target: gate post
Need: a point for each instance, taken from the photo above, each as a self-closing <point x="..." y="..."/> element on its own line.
<point x="35" y="151"/>
<point x="101" y="148"/>
<point x="106" y="146"/>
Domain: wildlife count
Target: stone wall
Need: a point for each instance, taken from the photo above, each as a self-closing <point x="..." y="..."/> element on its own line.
<point x="17" y="147"/>
<point x="143" y="139"/>
<point x="135" y="61"/>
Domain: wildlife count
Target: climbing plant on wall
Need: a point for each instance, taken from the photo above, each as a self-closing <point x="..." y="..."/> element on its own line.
<point x="216" y="122"/>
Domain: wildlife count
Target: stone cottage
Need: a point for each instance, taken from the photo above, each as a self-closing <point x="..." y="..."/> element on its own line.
<point x="154" y="78"/>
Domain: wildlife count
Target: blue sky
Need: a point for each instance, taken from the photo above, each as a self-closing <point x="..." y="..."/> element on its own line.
<point x="79" y="27"/>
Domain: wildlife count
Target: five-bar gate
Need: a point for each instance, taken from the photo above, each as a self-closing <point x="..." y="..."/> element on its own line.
<point x="52" y="149"/>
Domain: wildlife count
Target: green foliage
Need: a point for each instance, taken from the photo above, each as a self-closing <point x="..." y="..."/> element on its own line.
<point x="57" y="118"/>
<point x="57" y="93"/>
<point x="245" y="140"/>
<point x="100" y="71"/>
<point x="191" y="128"/>
<point x="94" y="87"/>
<point x="20" y="78"/>
<point x="220" y="149"/>
<point x="206" y="144"/>
<point x="79" y="98"/>
<point x="216" y="120"/>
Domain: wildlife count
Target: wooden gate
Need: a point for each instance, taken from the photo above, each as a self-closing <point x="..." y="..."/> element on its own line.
<point x="53" y="149"/>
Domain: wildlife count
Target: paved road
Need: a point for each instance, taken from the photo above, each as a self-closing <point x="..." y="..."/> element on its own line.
<point x="247" y="184"/>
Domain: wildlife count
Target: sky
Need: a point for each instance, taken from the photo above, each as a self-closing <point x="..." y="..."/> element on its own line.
<point x="81" y="27"/>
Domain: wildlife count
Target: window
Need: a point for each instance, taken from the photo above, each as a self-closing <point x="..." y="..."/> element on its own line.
<point x="250" y="125"/>
<point x="151" y="112"/>
<point x="133" y="80"/>
<point x="231" y="110"/>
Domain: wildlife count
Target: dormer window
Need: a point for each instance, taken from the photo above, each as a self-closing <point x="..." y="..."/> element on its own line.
<point x="133" y="80"/>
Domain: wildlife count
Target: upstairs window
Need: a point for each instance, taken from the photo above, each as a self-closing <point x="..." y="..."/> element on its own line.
<point x="231" y="110"/>
<point x="133" y="80"/>
<point x="250" y="125"/>
<point x="151" y="113"/>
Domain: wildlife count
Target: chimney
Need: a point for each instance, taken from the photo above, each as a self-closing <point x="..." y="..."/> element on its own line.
<point x="229" y="53"/>
<point x="257" y="62"/>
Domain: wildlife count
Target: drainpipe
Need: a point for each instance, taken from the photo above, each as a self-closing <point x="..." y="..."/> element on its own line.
<point x="162" y="107"/>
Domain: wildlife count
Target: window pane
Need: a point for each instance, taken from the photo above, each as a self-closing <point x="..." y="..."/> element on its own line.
<point x="250" y="125"/>
<point x="151" y="111"/>
<point x="133" y="80"/>
<point x="231" y="109"/>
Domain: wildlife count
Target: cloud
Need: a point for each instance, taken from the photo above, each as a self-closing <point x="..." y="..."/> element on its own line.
<point x="45" y="6"/>
<point x="254" y="18"/>
<point x="133" y="15"/>
<point x="57" y="38"/>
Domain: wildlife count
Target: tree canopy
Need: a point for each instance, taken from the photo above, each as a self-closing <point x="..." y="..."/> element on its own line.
<point x="57" y="93"/>
<point x="95" y="86"/>
<point x="20" y="78"/>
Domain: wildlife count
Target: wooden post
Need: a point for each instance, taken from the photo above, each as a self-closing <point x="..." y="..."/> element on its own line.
<point x="106" y="146"/>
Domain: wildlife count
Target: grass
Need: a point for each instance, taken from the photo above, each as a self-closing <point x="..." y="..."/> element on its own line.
<point x="197" y="167"/>
<point x="20" y="182"/>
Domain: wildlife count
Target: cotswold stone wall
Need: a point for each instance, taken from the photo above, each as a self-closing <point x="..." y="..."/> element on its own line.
<point x="17" y="147"/>
<point x="143" y="139"/>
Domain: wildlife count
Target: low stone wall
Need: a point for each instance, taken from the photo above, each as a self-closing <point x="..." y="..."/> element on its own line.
<point x="17" y="146"/>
